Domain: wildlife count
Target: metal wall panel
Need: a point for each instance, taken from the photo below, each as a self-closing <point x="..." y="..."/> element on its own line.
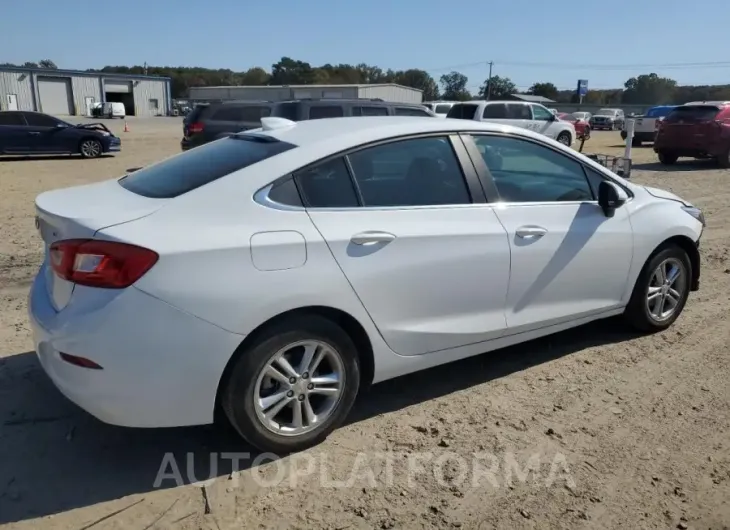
<point x="54" y="95"/>
<point x="19" y="84"/>
<point x="117" y="87"/>
<point x="85" y="87"/>
<point x="391" y="93"/>
<point x="150" y="98"/>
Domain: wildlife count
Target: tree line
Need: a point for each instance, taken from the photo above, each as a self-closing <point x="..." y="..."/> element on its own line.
<point x="650" y="89"/>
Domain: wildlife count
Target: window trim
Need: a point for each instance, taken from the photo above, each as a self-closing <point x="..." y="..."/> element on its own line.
<point x="409" y="108"/>
<point x="487" y="179"/>
<point x="469" y="172"/>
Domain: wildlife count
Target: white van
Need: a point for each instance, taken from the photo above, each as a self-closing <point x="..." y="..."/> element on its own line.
<point x="531" y="116"/>
<point x="109" y="110"/>
<point x="440" y="108"/>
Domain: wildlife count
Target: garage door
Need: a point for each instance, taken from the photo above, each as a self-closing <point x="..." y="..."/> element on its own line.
<point x="55" y="95"/>
<point x="117" y="87"/>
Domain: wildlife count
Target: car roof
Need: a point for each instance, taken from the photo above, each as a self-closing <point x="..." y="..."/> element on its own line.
<point x="707" y="103"/>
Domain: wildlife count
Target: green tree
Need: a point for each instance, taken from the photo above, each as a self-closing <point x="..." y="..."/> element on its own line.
<point x="454" y="84"/>
<point x="501" y="87"/>
<point x="419" y="79"/>
<point x="47" y="63"/>
<point x="290" y="72"/>
<point x="546" y="90"/>
<point x="649" y="89"/>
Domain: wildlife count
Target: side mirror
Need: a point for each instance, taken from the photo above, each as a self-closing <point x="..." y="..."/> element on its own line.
<point x="61" y="126"/>
<point x="610" y="197"/>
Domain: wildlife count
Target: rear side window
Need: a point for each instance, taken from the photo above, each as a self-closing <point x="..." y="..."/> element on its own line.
<point x="369" y="111"/>
<point x="11" y="118"/>
<point x="328" y="185"/>
<point x="40" y="120"/>
<point x="658" y="112"/>
<point x="442" y="109"/>
<point x="517" y="111"/>
<point x="195" y="168"/>
<point x="462" y="111"/>
<point x="497" y="111"/>
<point x="317" y="112"/>
<point x="693" y="114"/>
<point x="236" y="113"/>
<point x="410" y="111"/>
<point x="289" y="111"/>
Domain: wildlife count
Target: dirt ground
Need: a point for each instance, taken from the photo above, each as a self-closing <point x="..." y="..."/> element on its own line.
<point x="621" y="431"/>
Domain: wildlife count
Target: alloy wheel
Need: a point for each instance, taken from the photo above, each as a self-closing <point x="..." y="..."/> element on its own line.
<point x="299" y="387"/>
<point x="666" y="289"/>
<point x="90" y="148"/>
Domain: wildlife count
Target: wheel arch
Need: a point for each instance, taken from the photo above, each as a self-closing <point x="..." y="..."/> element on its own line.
<point x="88" y="137"/>
<point x="690" y="247"/>
<point x="347" y="322"/>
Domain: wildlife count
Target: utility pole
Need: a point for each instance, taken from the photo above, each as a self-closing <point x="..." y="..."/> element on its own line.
<point x="145" y="68"/>
<point x="489" y="81"/>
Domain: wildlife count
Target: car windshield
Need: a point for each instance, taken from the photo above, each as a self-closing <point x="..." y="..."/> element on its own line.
<point x="189" y="170"/>
<point x="567" y="117"/>
<point x="605" y="112"/>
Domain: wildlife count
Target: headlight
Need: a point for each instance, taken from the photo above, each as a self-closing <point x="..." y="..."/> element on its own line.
<point x="696" y="213"/>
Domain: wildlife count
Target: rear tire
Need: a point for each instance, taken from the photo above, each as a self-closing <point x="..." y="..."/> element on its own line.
<point x="724" y="159"/>
<point x="656" y="285"/>
<point x="667" y="158"/>
<point x="249" y="395"/>
<point x="565" y="138"/>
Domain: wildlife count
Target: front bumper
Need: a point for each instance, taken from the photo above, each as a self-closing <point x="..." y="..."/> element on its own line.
<point x="161" y="366"/>
<point x="115" y="145"/>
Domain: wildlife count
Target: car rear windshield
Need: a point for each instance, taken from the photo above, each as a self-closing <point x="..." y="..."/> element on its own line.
<point x="693" y="114"/>
<point x="658" y="112"/>
<point x="605" y="112"/>
<point x="193" y="115"/>
<point x="462" y="112"/>
<point x="195" y="168"/>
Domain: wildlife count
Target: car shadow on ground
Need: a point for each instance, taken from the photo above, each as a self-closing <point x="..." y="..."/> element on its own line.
<point x="25" y="158"/>
<point x="56" y="458"/>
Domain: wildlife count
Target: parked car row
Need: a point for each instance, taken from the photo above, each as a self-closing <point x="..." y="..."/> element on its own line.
<point x="268" y="277"/>
<point x="647" y="125"/>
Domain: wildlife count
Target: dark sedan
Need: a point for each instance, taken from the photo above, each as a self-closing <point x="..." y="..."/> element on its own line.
<point x="34" y="133"/>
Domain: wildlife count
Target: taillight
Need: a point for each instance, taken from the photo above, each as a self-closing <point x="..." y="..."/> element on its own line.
<point x="97" y="263"/>
<point x="195" y="128"/>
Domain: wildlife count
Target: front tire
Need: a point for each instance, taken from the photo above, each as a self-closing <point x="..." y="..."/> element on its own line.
<point x="564" y="138"/>
<point x="90" y="148"/>
<point x="667" y="158"/>
<point x="661" y="290"/>
<point x="294" y="385"/>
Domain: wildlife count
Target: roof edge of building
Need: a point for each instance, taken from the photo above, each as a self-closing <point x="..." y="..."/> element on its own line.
<point x="63" y="72"/>
<point x="341" y="85"/>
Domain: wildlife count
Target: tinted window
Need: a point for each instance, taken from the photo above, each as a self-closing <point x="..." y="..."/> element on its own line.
<point x="40" y="120"/>
<point x="419" y="172"/>
<point x="428" y="105"/>
<point x="541" y="113"/>
<point x="328" y="185"/>
<point x="515" y="111"/>
<point x="369" y="111"/>
<point x="236" y="113"/>
<point x="658" y="112"/>
<point x="194" y="114"/>
<point x="285" y="192"/>
<point x="462" y="112"/>
<point x="442" y="109"/>
<point x="525" y="171"/>
<point x="289" y="111"/>
<point x="325" y="111"/>
<point x="567" y="117"/>
<point x="410" y="111"/>
<point x="693" y="114"/>
<point x="605" y="112"/>
<point x="11" y="118"/>
<point x="497" y="111"/>
<point x="197" y="167"/>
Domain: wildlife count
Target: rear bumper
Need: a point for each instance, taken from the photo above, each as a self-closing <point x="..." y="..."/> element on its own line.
<point x="161" y="366"/>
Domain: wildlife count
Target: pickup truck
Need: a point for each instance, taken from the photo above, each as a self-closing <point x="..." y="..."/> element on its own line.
<point x="646" y="125"/>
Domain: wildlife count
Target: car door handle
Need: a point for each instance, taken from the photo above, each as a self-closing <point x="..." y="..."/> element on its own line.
<point x="34" y="134"/>
<point x="371" y="238"/>
<point x="531" y="232"/>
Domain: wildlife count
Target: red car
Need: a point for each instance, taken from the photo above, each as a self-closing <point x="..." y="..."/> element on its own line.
<point x="582" y="127"/>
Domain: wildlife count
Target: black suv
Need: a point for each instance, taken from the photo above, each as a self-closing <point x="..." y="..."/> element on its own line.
<point x="208" y="122"/>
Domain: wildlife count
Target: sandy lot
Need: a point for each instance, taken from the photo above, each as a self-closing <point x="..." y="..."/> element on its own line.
<point x="622" y="431"/>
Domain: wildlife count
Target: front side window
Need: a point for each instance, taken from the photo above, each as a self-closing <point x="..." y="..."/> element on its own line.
<point x="525" y="171"/>
<point x="541" y="113"/>
<point x="517" y="111"/>
<point x="204" y="164"/>
<point x="369" y="111"/>
<point x="317" y="112"/>
<point x="442" y="109"/>
<point x="416" y="172"/>
<point x="41" y="120"/>
<point x="462" y="111"/>
<point x="328" y="185"/>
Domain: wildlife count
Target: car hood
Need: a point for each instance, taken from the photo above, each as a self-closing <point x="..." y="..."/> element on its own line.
<point x="664" y="194"/>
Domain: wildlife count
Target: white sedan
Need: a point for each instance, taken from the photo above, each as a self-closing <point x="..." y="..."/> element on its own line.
<point x="273" y="274"/>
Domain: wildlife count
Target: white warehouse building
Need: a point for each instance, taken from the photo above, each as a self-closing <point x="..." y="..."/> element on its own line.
<point x="384" y="91"/>
<point x="72" y="92"/>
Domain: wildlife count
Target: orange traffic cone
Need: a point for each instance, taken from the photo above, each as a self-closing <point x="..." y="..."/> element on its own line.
<point x="126" y="128"/>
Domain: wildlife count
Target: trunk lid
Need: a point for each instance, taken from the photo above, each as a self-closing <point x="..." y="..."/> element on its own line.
<point x="79" y="213"/>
